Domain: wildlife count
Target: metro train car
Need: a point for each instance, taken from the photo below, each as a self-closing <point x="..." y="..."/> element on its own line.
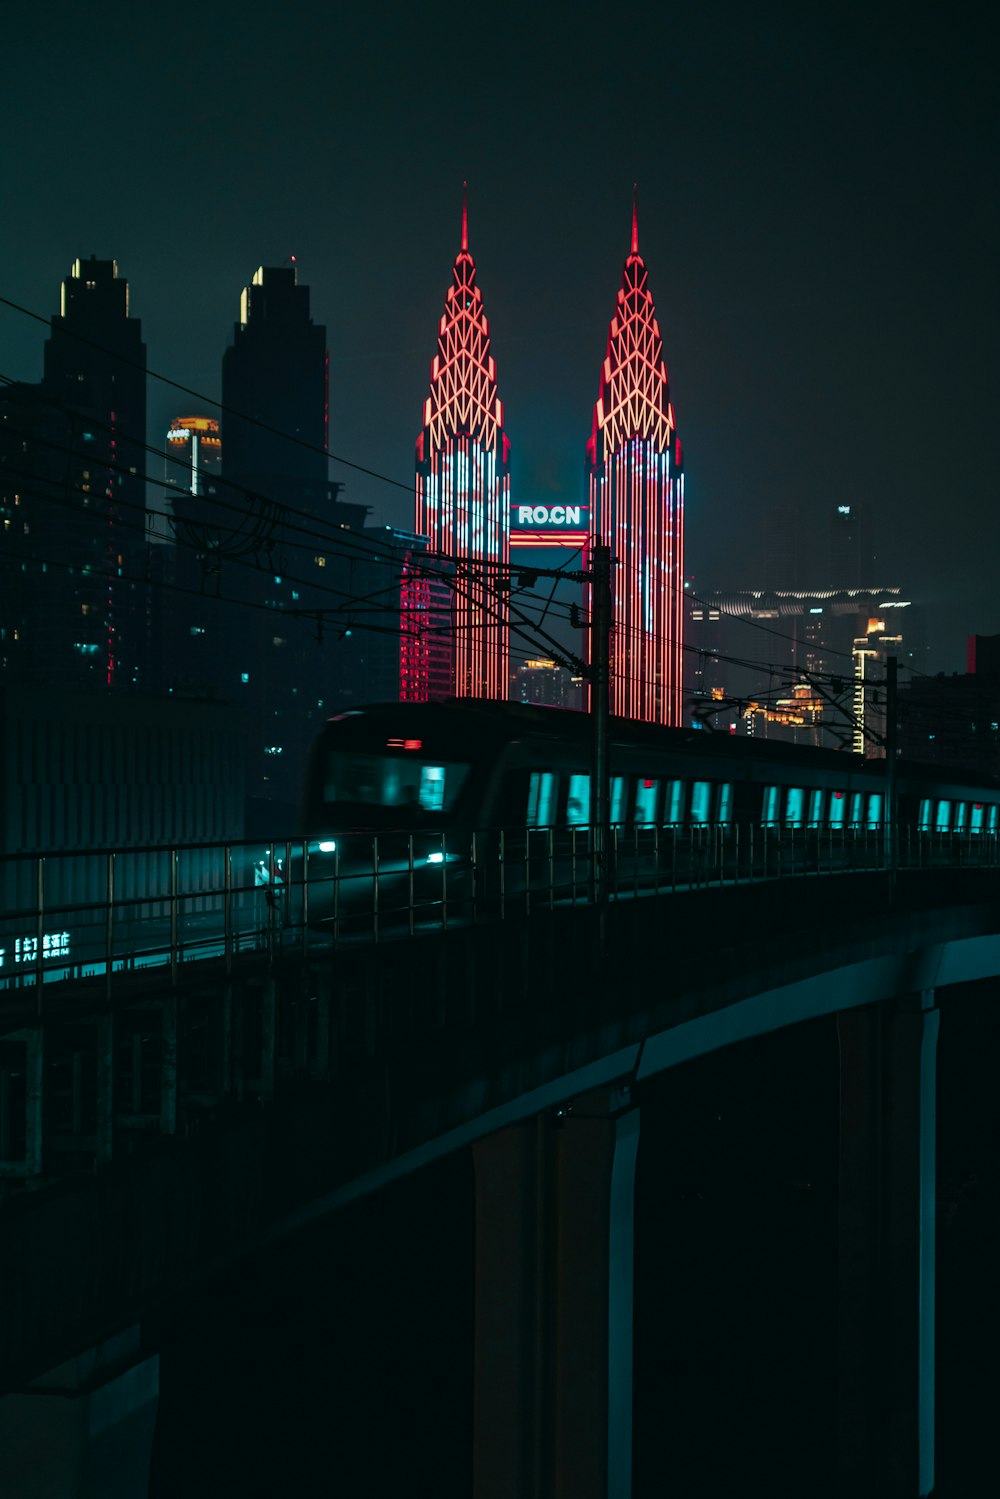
<point x="424" y="802"/>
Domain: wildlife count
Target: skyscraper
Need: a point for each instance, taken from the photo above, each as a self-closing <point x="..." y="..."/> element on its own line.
<point x="275" y="393"/>
<point x="72" y="496"/>
<point x="463" y="482"/>
<point x="637" y="505"/>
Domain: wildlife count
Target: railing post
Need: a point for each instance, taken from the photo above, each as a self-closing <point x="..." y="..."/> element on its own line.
<point x="503" y="876"/>
<point x="444" y="883"/>
<point x="39" y="931"/>
<point x="474" y="877"/>
<point x="552" y="871"/>
<point x="410" y="885"/>
<point x="375" y="887"/>
<point x="227" y="906"/>
<point x="305" y="897"/>
<point x="336" y="894"/>
<point x="173" y="915"/>
<point x="109" y="934"/>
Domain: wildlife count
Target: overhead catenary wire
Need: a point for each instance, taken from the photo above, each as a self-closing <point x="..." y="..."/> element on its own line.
<point x="367" y="545"/>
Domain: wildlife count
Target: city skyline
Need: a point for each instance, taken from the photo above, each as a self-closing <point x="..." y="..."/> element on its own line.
<point x="829" y="334"/>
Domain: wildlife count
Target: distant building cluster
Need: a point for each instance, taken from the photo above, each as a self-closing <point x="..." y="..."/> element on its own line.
<point x="829" y="648"/>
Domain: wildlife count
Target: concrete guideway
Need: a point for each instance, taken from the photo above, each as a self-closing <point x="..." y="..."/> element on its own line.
<point x="434" y="1045"/>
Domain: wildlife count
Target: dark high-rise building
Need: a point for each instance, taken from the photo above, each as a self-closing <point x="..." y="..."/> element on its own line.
<point x="74" y="605"/>
<point x="274" y="391"/>
<point x="637" y="504"/>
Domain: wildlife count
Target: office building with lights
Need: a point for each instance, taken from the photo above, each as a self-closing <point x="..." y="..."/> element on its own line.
<point x="463" y="488"/>
<point x="546" y="684"/>
<point x="634" y="466"/>
<point x="74" y="604"/>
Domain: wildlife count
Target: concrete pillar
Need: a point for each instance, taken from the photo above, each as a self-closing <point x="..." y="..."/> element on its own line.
<point x="554" y="1279"/>
<point x="85" y="1429"/>
<point x="887" y="1244"/>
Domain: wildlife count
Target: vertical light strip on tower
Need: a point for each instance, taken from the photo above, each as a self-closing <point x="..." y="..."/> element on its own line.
<point x="463" y="484"/>
<point x="637" y="505"/>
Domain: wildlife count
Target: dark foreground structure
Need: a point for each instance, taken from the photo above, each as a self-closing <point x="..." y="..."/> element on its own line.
<point x="162" y="1124"/>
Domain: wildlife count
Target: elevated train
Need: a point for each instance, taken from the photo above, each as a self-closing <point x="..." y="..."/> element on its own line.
<point x="412" y="796"/>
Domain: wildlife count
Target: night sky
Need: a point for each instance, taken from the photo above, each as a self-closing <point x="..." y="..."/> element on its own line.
<point x="816" y="208"/>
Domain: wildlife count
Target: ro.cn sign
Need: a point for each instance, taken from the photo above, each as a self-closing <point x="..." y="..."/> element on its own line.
<point x="549" y="515"/>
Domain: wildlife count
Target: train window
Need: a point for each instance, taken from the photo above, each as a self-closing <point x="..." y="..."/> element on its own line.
<point x="675" y="801"/>
<point x="645" y="800"/>
<point x="617" y="798"/>
<point x="407" y="785"/>
<point x="541" y="798"/>
<point x="815" y="809"/>
<point x="857" y="809"/>
<point x="961" y="813"/>
<point x="924" y="814"/>
<point x="725" y="810"/>
<point x="994" y="817"/>
<point x="795" y="805"/>
<point x="943" y="819"/>
<point x="976" y="817"/>
<point x="578" y="802"/>
<point x="701" y="801"/>
<point x="772" y="800"/>
<point x="432" y="787"/>
<point x="875" y="809"/>
<point x="838" y="809"/>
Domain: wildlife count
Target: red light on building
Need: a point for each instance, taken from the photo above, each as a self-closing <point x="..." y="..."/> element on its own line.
<point x="637" y="504"/>
<point x="463" y="488"/>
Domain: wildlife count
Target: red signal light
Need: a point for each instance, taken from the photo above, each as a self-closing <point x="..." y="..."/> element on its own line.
<point x="404" y="744"/>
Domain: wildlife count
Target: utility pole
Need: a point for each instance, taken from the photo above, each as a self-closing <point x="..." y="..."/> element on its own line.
<point x="600" y="713"/>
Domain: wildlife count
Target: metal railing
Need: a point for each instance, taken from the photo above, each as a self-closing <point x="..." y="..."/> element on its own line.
<point x="69" y="917"/>
<point x="95" y="1060"/>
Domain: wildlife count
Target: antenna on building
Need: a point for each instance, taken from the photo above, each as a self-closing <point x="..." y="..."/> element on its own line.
<point x="635" y="218"/>
<point x="465" y="216"/>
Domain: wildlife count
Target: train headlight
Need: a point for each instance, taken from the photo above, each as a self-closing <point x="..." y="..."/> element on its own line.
<point x="437" y="858"/>
<point x="328" y="846"/>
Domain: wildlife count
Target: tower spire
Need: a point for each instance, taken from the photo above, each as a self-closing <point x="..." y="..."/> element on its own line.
<point x="465" y="216"/>
<point x="635" y="218"/>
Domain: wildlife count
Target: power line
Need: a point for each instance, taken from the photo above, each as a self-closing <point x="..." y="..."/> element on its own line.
<point x="208" y="401"/>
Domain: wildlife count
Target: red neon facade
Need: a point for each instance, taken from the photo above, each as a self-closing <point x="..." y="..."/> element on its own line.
<point x="463" y="484"/>
<point x="637" y="505"/>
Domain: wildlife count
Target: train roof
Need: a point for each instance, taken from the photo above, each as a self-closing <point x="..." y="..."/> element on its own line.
<point x="469" y="717"/>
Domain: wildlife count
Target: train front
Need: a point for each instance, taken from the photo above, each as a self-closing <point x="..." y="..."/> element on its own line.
<point x="388" y="805"/>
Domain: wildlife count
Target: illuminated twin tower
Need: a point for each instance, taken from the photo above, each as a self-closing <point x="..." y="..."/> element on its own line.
<point x="635" y="494"/>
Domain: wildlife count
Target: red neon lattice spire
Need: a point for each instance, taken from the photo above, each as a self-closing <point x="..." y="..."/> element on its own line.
<point x="637" y="503"/>
<point x="463" y="480"/>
